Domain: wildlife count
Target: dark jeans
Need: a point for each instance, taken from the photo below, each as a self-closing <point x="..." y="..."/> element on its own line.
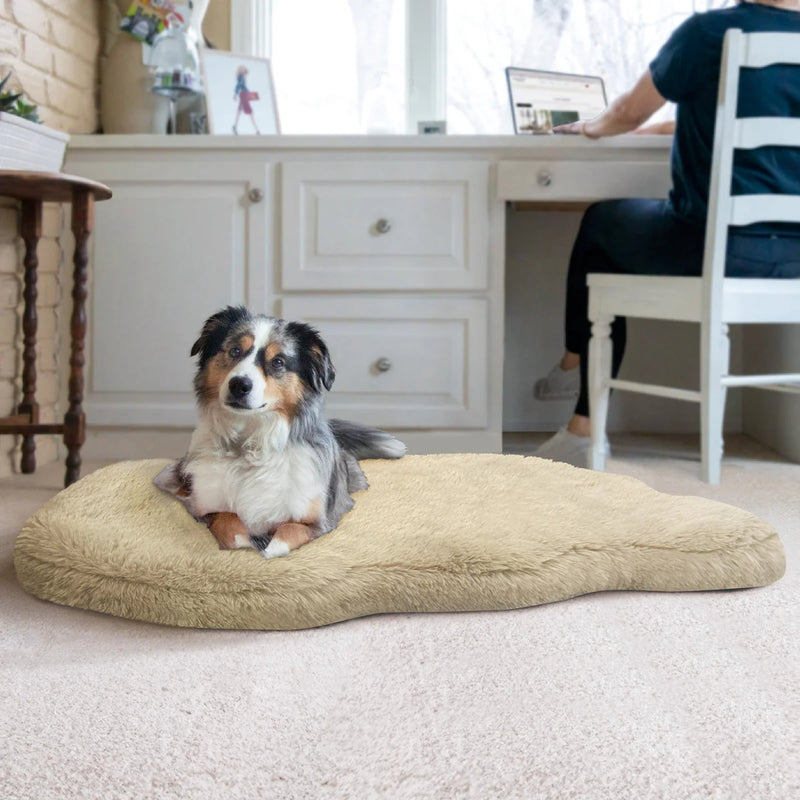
<point x="644" y="237"/>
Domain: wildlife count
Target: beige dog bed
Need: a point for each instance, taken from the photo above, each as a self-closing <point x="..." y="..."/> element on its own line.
<point x="432" y="533"/>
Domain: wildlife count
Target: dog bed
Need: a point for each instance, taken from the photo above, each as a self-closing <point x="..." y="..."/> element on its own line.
<point x="432" y="533"/>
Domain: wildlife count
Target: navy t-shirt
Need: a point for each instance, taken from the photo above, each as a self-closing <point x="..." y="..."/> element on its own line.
<point x="686" y="72"/>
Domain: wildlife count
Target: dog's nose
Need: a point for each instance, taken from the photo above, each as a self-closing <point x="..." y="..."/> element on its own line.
<point x="239" y="386"/>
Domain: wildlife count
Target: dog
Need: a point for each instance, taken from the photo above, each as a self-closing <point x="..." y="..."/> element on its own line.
<point x="265" y="468"/>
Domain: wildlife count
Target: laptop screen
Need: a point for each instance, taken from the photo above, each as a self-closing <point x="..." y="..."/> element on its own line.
<point x="541" y="100"/>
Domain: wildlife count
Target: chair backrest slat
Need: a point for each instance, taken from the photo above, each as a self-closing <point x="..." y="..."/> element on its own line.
<point x="749" y="208"/>
<point x="754" y="132"/>
<point x="763" y="49"/>
<point x="740" y="50"/>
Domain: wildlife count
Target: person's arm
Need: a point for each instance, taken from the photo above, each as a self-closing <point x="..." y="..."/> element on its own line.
<point x="659" y="128"/>
<point x="627" y="113"/>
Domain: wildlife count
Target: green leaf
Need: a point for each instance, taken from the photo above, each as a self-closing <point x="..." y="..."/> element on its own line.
<point x="26" y="111"/>
<point x="12" y="103"/>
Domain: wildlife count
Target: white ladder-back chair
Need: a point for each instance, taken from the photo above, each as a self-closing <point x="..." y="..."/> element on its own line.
<point x="712" y="300"/>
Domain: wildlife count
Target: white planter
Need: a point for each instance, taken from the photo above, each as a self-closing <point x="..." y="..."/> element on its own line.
<point x="26" y="145"/>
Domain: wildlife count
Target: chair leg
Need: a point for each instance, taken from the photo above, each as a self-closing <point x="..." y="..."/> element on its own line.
<point x="599" y="373"/>
<point x="712" y="406"/>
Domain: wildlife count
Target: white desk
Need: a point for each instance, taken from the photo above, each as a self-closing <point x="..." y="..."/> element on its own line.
<point x="395" y="246"/>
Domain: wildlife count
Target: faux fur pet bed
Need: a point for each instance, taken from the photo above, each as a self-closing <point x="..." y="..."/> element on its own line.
<point x="432" y="533"/>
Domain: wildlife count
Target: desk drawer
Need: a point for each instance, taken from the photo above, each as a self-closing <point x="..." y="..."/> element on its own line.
<point x="384" y="225"/>
<point x="581" y="180"/>
<point x="405" y="362"/>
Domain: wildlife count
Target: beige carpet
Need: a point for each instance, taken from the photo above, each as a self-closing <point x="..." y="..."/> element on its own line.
<point x="615" y="695"/>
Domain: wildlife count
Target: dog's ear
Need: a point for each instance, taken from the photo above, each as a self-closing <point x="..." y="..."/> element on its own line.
<point x="214" y="330"/>
<point x="322" y="371"/>
<point x="318" y="369"/>
<point x="172" y="480"/>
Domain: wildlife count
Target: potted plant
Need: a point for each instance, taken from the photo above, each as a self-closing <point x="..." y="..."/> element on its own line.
<point x="26" y="144"/>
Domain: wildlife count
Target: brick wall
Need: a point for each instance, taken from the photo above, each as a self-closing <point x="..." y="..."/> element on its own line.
<point x="53" y="48"/>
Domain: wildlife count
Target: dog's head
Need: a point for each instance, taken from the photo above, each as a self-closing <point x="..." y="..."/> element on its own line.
<point x="249" y="363"/>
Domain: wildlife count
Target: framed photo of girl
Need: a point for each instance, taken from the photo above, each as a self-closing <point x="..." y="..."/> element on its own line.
<point x="240" y="95"/>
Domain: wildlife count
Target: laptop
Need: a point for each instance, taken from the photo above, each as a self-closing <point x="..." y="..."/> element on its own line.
<point x="541" y="100"/>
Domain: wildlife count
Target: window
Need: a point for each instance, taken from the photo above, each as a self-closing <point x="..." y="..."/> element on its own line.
<point x="615" y="39"/>
<point x="362" y="66"/>
<point x="339" y="65"/>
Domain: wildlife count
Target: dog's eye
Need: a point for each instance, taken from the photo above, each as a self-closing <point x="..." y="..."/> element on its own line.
<point x="235" y="352"/>
<point x="278" y="362"/>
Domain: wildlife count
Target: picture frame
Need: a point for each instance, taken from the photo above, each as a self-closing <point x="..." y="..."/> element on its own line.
<point x="240" y="94"/>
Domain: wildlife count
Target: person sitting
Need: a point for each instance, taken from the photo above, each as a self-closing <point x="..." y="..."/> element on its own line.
<point x="666" y="237"/>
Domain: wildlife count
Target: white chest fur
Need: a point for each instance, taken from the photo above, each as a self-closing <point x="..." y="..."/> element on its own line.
<point x="264" y="485"/>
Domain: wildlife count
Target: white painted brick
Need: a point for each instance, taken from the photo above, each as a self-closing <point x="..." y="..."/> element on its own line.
<point x="48" y="415"/>
<point x="8" y="396"/>
<point x="33" y="81"/>
<point x="53" y="119"/>
<point x="79" y="120"/>
<point x="67" y="35"/>
<point x="46" y="329"/>
<point x="8" y="361"/>
<point x="46" y="355"/>
<point x="12" y="255"/>
<point x="84" y="14"/>
<point x="37" y="52"/>
<point x="71" y="69"/>
<point x="9" y="325"/>
<point x="8" y="220"/>
<point x="86" y="120"/>
<point x="49" y="290"/>
<point x="46" y="453"/>
<point x="47" y="286"/>
<point x="9" y="257"/>
<point x="46" y="450"/>
<point x="49" y="252"/>
<point x="69" y="123"/>
<point x="65" y="98"/>
<point x="48" y="324"/>
<point x="9" y="291"/>
<point x="52" y="219"/>
<point x="47" y="388"/>
<point x="9" y="40"/>
<point x="29" y="15"/>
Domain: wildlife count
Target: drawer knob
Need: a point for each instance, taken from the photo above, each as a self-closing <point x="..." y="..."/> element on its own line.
<point x="383" y="365"/>
<point x="383" y="225"/>
<point x="544" y="178"/>
<point x="255" y="195"/>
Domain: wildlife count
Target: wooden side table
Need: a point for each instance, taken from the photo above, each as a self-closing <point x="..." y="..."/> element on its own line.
<point x="33" y="189"/>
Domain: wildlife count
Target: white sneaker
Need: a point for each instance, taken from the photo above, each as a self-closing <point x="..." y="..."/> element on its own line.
<point x="569" y="448"/>
<point x="558" y="384"/>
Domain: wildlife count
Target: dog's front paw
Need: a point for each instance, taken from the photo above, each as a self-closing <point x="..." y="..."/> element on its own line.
<point x="287" y="536"/>
<point x="275" y="549"/>
<point x="229" y="531"/>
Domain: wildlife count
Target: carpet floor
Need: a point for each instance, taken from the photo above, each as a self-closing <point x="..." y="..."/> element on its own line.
<point x="620" y="695"/>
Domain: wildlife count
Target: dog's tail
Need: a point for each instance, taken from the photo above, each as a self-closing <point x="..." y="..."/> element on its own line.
<point x="364" y="442"/>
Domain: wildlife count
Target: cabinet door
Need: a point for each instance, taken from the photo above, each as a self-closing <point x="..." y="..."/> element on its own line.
<point x="177" y="242"/>
<point x="403" y="362"/>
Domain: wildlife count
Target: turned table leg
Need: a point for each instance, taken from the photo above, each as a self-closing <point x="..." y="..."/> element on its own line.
<point x="31" y="232"/>
<point x="75" y="418"/>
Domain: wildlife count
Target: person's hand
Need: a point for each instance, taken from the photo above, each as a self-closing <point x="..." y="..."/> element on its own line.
<point x="573" y="128"/>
